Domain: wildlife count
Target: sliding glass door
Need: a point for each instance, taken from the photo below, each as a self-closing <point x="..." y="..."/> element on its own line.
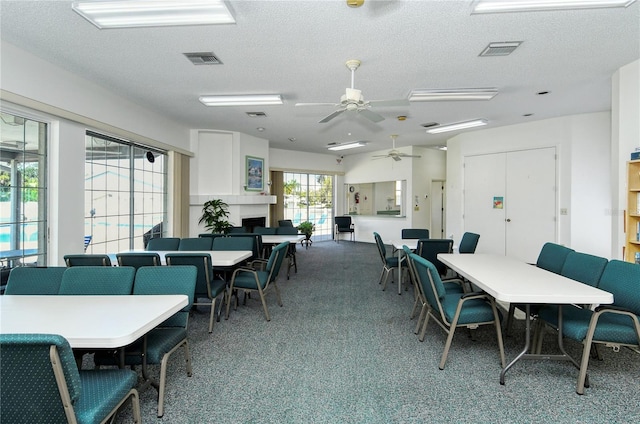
<point x="309" y="197"/>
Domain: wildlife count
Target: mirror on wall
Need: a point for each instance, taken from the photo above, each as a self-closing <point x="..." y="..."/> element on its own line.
<point x="384" y="198"/>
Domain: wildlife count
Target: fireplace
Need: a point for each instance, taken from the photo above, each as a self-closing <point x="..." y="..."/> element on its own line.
<point x="250" y="223"/>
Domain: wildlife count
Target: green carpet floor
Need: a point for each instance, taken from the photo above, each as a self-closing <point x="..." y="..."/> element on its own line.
<point x="341" y="350"/>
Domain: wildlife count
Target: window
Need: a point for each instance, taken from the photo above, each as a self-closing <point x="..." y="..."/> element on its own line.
<point x="309" y="197"/>
<point x="23" y="191"/>
<point x="125" y="193"/>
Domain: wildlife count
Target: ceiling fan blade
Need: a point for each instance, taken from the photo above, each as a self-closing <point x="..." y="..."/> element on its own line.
<point x="404" y="155"/>
<point x="396" y="158"/>
<point x="316" y="104"/>
<point x="330" y="117"/>
<point x="380" y="156"/>
<point x="398" y="102"/>
<point x="372" y="116"/>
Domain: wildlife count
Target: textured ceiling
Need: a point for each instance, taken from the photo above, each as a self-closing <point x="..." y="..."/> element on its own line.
<point x="299" y="49"/>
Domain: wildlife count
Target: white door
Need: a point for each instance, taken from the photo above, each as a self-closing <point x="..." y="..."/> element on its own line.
<point x="530" y="203"/>
<point x="484" y="185"/>
<point x="510" y="200"/>
<point x="437" y="210"/>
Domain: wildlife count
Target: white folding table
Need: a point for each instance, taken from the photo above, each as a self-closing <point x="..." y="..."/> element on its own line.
<point x="513" y="281"/>
<point x="397" y="244"/>
<point x="87" y="322"/>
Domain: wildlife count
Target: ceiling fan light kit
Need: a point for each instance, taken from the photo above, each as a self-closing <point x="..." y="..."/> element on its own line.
<point x="442" y="95"/>
<point x="394" y="154"/>
<point x="242" y="100"/>
<point x="146" y="13"/>
<point x="501" y="6"/>
<point x="457" y="126"/>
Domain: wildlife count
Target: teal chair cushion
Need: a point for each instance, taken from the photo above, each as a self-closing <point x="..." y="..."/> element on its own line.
<point x="247" y="279"/>
<point x="159" y="342"/>
<point x="475" y="310"/>
<point x="102" y="390"/>
<point x="584" y="268"/>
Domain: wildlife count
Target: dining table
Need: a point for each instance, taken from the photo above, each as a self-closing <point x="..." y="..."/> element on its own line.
<point x="511" y="280"/>
<point x="398" y="246"/>
<point x="88" y="322"/>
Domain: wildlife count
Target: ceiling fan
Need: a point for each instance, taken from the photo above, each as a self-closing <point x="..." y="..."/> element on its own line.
<point x="395" y="154"/>
<point x="353" y="100"/>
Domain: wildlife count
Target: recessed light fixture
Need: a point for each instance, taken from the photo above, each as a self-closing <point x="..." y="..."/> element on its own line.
<point x="256" y="114"/>
<point x="542" y="93"/>
<point x="146" y="13"/>
<point x="239" y="100"/>
<point x="501" y="6"/>
<point x="458" y="126"/>
<point x="504" y="48"/>
<point x="350" y="145"/>
<point x="261" y="129"/>
<point x="292" y="139"/>
<point x="526" y="115"/>
<point x="443" y="148"/>
<point x="442" y="95"/>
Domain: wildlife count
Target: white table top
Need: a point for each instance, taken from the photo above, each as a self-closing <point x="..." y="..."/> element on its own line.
<point x="281" y="238"/>
<point x="88" y="321"/>
<point x="514" y="281"/>
<point x="410" y="243"/>
<point x="218" y="257"/>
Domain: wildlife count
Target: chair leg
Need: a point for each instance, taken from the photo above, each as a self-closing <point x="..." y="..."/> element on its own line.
<point x="423" y="311"/>
<point x="212" y="314"/>
<point x="264" y="306"/>
<point x="424" y="327"/>
<point x="163" y="373"/>
<point x="386" y="278"/>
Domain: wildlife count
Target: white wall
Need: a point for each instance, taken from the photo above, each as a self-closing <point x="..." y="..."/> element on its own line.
<point x="582" y="143"/>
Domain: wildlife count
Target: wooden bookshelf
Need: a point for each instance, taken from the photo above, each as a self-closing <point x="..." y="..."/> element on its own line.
<point x="632" y="245"/>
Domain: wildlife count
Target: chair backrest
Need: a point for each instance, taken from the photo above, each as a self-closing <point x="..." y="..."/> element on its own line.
<point x="343" y="223"/>
<point x="257" y="244"/>
<point x="584" y="268"/>
<point x="195" y="244"/>
<point x="468" y="243"/>
<point x="87" y="260"/>
<point x="429" y="249"/>
<point x="415" y="233"/>
<point x="29" y="392"/>
<point x="236" y="242"/>
<point x="274" y="263"/>
<point x="97" y="280"/>
<point x="233" y="230"/>
<point x="35" y="280"/>
<point x="287" y="231"/>
<point x="212" y="235"/>
<point x="168" y="280"/>
<point x="622" y="279"/>
<point x="202" y="262"/>
<point x="382" y="250"/>
<point x="138" y="259"/>
<point x="285" y="223"/>
<point x="427" y="276"/>
<point x="265" y="231"/>
<point x="163" y="243"/>
<point x="552" y="257"/>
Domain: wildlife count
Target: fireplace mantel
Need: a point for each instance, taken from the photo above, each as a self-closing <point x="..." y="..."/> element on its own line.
<point x="234" y="199"/>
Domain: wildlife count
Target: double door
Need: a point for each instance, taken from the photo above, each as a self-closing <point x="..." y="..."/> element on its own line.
<point x="510" y="200"/>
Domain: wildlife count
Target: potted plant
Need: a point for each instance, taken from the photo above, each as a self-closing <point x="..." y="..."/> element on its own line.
<point x="214" y="216"/>
<point x="306" y="228"/>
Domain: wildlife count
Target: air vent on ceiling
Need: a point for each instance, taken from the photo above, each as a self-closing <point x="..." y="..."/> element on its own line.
<point x="256" y="114"/>
<point x="203" y="58"/>
<point x="500" y="49"/>
<point x="430" y="124"/>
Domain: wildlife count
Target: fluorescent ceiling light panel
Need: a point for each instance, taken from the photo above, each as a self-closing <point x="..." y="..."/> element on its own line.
<point x="497" y="6"/>
<point x="346" y="146"/>
<point x="443" y="95"/>
<point x="235" y="100"/>
<point x="147" y="13"/>
<point x="458" y="126"/>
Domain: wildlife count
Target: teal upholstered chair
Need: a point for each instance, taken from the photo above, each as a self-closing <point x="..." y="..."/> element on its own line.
<point x="35" y="280"/>
<point x="285" y="223"/>
<point x="256" y="248"/>
<point x="613" y="325"/>
<point x="171" y="335"/>
<point x="415" y="233"/>
<point x="97" y="280"/>
<point x="87" y="260"/>
<point x="207" y="287"/>
<point x="138" y="259"/>
<point x="452" y="310"/>
<point x="291" y="251"/>
<point x="584" y="267"/>
<point x="419" y="294"/>
<point x="468" y="243"/>
<point x="389" y="263"/>
<point x="238" y="241"/>
<point x="41" y="384"/>
<point x="552" y="257"/>
<point x="343" y="224"/>
<point x="195" y="244"/>
<point x="251" y="280"/>
<point x="163" y="243"/>
<point x="212" y="236"/>
<point x="235" y="230"/>
<point x="429" y="249"/>
<point x="265" y="231"/>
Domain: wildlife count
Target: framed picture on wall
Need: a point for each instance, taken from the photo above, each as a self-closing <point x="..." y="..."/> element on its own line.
<point x="255" y="171"/>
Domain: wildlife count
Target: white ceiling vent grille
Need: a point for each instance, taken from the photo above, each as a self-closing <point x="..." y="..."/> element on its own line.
<point x="500" y="49"/>
<point x="203" y="58"/>
<point x="256" y="114"/>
